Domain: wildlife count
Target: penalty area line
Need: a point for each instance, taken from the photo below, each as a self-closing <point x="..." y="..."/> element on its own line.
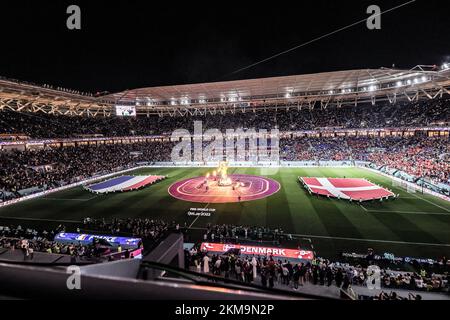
<point x="403" y="212"/>
<point x="431" y="202"/>
<point x="362" y="240"/>
<point x="374" y="240"/>
<point x="410" y="212"/>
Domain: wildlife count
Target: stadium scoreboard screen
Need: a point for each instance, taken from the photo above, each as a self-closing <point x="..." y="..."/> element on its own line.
<point x="125" y="111"/>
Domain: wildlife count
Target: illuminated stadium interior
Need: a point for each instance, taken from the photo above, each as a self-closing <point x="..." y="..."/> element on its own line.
<point x="351" y="167"/>
<point x="291" y="187"/>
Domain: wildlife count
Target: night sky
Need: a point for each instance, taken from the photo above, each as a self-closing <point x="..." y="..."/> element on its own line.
<point x="131" y="44"/>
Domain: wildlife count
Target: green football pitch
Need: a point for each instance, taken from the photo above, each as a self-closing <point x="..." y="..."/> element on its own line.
<point x="414" y="224"/>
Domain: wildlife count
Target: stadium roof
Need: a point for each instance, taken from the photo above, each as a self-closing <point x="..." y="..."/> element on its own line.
<point x="23" y="96"/>
<point x="328" y="88"/>
<point x="278" y="86"/>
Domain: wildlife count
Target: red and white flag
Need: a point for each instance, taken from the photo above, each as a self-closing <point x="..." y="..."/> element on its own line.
<point x="346" y="188"/>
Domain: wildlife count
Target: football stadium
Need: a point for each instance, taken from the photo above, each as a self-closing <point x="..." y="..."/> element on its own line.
<point x="321" y="185"/>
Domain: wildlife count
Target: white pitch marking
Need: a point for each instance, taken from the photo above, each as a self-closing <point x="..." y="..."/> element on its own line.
<point x="364" y="240"/>
<point x="67" y="199"/>
<point x="410" y="212"/>
<point x="38" y="219"/>
<point x="181" y="190"/>
<point x="375" y="240"/>
<point x="364" y="208"/>
<point x="409" y="198"/>
<point x="434" y="204"/>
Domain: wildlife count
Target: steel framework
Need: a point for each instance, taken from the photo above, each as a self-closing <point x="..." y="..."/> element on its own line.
<point x="320" y="90"/>
<point x="19" y="96"/>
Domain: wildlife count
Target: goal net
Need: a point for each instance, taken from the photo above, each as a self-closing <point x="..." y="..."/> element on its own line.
<point x="408" y="187"/>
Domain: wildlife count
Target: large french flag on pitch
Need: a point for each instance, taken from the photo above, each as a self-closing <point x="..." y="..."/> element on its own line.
<point x="123" y="183"/>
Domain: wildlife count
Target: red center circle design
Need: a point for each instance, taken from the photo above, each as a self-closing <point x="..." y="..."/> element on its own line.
<point x="250" y="188"/>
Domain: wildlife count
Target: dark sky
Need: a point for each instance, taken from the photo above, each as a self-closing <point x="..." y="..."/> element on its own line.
<point x="129" y="44"/>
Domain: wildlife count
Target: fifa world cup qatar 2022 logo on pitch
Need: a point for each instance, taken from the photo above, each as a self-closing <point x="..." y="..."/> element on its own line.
<point x="234" y="145"/>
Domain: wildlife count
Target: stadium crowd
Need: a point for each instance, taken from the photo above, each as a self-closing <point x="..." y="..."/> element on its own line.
<point x="269" y="271"/>
<point x="31" y="240"/>
<point x="43" y="169"/>
<point x="417" y="156"/>
<point x="266" y="271"/>
<point x="275" y="273"/>
<point x="147" y="229"/>
<point x="413" y="114"/>
<point x="52" y="167"/>
<point x="230" y="232"/>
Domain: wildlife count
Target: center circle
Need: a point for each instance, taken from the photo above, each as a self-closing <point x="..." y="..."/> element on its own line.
<point x="243" y="187"/>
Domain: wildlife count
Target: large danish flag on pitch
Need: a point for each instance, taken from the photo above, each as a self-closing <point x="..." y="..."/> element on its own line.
<point x="346" y="188"/>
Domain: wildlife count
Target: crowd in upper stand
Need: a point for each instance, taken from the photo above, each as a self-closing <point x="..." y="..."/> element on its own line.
<point x="48" y="86"/>
<point x="40" y="125"/>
